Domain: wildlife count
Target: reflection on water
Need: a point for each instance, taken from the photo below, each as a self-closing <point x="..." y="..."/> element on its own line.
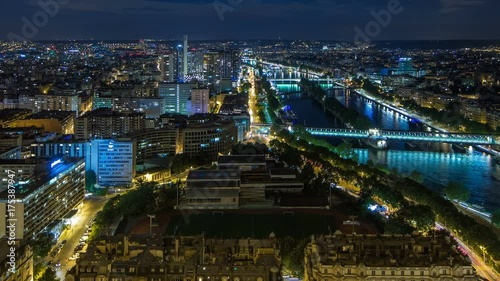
<point x="477" y="172"/>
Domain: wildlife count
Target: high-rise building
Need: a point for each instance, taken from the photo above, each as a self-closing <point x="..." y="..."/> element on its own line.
<point x="57" y="188"/>
<point x="221" y="65"/>
<point x="406" y="64"/>
<point x="171" y="68"/>
<point x="175" y="96"/>
<point x="41" y="102"/>
<point x="48" y="149"/>
<point x="113" y="161"/>
<point x="208" y="138"/>
<point x="199" y="101"/>
<point x="202" y="136"/>
<point x="167" y="68"/>
<point x="211" y="68"/>
<point x="106" y="123"/>
<point x="185" y="58"/>
<point x="230" y="63"/>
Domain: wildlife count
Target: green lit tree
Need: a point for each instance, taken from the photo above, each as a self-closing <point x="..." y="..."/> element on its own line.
<point x="90" y="180"/>
<point x="457" y="191"/>
<point x="49" y="275"/>
<point x="495" y="218"/>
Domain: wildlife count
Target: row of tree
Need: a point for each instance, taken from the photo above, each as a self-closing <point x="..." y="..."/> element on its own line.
<point x="345" y="114"/>
<point x="400" y="193"/>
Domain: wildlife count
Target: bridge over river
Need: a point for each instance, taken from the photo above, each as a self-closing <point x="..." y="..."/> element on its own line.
<point x="442" y="137"/>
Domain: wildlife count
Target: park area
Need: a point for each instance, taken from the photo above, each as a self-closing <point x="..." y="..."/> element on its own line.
<point x="260" y="224"/>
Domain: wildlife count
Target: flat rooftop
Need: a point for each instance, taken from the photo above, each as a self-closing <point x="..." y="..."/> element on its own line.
<point x="25" y="190"/>
<point x="242" y="159"/>
<point x="51" y="114"/>
<point x="210" y="175"/>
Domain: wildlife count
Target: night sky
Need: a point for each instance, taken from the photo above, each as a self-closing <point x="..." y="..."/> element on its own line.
<point x="252" y="19"/>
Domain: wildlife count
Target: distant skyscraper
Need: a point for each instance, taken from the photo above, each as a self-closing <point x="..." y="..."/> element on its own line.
<point x="405" y="67"/>
<point x="219" y="65"/>
<point x="185" y="58"/>
<point x="167" y="68"/>
<point x="199" y="101"/>
<point x="211" y="68"/>
<point x="171" y="68"/>
<point x="175" y="96"/>
<point x="178" y="63"/>
<point x="406" y="64"/>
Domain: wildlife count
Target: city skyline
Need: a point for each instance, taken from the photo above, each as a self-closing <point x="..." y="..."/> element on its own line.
<point x="212" y="20"/>
<point x="238" y="140"/>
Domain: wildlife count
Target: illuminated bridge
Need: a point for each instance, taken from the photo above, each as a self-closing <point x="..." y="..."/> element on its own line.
<point x="443" y="137"/>
<point x="409" y="136"/>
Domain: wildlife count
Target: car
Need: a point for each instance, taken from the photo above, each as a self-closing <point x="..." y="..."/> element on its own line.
<point x="63" y="242"/>
<point x="58" y="263"/>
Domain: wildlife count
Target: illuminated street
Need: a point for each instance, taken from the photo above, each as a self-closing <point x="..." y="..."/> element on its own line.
<point x="483" y="270"/>
<point x="90" y="208"/>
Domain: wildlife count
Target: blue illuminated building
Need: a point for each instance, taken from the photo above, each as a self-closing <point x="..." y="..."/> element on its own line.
<point x="113" y="161"/>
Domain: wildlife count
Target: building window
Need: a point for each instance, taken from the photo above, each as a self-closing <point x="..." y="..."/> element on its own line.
<point x="393" y="273"/>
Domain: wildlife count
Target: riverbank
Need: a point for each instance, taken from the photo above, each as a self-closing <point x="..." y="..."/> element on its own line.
<point x="399" y="193"/>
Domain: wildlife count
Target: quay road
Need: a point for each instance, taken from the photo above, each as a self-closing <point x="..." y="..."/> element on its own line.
<point x="478" y="263"/>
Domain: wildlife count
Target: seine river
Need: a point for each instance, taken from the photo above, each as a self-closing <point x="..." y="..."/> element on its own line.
<point x="438" y="163"/>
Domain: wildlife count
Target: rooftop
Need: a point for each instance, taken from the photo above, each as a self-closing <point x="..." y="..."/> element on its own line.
<point x="55" y="170"/>
<point x="213" y="175"/>
<point x="242" y="159"/>
<point x="51" y="114"/>
<point x="107" y="112"/>
<point x="389" y="250"/>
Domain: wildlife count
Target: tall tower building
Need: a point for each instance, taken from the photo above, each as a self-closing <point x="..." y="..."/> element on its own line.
<point x="171" y="68"/>
<point x="185" y="58"/>
<point x="175" y="96"/>
<point x="199" y="101"/>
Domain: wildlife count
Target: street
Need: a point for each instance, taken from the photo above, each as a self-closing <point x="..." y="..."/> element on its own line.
<point x="72" y="236"/>
<point x="481" y="267"/>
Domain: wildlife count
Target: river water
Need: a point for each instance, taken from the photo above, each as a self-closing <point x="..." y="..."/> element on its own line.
<point x="438" y="163"/>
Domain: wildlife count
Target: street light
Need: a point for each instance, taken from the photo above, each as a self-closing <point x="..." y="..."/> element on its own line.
<point x="484" y="252"/>
<point x="151" y="217"/>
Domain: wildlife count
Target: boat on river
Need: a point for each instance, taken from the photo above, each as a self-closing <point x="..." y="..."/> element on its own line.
<point x="376" y="140"/>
